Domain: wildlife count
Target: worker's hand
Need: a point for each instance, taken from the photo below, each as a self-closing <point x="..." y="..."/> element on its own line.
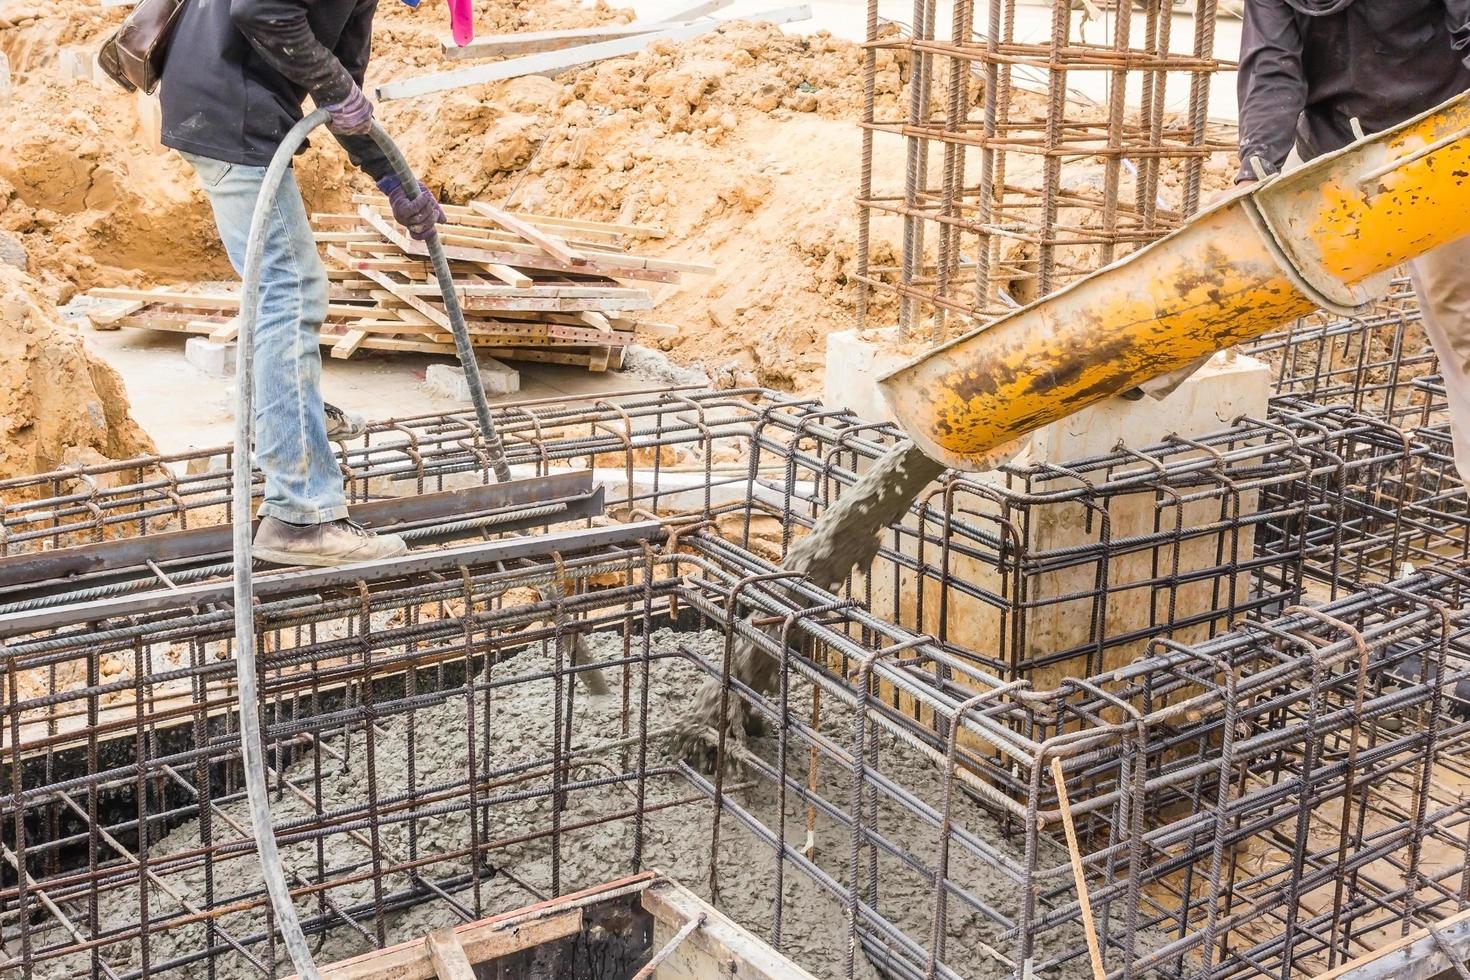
<point x="353" y="116"/>
<point x="418" y="214"/>
<point x="1240" y="188"/>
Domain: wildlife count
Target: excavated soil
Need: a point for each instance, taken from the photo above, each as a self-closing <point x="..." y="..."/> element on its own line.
<point x="676" y="840"/>
<point x="59" y="403"/>
<point x="741" y="144"/>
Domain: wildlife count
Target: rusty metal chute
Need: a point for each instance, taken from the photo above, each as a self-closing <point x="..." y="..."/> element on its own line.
<point x="1324" y="235"/>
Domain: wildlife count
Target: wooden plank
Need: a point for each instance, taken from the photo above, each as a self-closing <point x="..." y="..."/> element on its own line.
<point x="479" y="942"/>
<point x="228" y="332"/>
<point x="327" y="237"/>
<point x="461" y="216"/>
<point x="586" y="224"/>
<point x="531" y="42"/>
<point x="1412" y="957"/>
<point x="548" y="243"/>
<point x="1079" y="874"/>
<point x="103" y="318"/>
<point x="349" y="344"/>
<point x="620" y="266"/>
<point x="447" y="956"/>
<point x="506" y="274"/>
<point x="736" y="951"/>
<point x="224" y="301"/>
<point x="535" y="64"/>
<point x="596" y="321"/>
<point x="387" y="251"/>
<point x="196" y="301"/>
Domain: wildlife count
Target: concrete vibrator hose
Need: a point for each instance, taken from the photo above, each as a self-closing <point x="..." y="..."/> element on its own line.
<point x="250" y="733"/>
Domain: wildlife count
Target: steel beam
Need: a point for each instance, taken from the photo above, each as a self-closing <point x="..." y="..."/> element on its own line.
<point x="380" y="515"/>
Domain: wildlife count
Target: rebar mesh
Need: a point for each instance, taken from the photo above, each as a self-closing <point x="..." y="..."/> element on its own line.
<point x="1264" y="801"/>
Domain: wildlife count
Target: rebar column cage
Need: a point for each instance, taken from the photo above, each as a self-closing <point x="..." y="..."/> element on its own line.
<point x="1063" y="184"/>
<point x="1275" y="798"/>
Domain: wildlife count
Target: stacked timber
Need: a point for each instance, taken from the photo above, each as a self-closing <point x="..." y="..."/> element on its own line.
<point x="533" y="288"/>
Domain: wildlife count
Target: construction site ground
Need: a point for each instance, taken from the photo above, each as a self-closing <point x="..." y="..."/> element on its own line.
<point x="739" y="144"/>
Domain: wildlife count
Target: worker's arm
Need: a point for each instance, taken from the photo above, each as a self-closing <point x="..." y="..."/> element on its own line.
<point x="1271" y="85"/>
<point x="353" y="51"/>
<point x="1457" y="19"/>
<point x="279" y="32"/>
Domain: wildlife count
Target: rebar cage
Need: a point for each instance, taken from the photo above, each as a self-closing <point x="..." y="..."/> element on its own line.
<point x="1037" y="571"/>
<point x="451" y="743"/>
<point x="1372" y="363"/>
<point x="1382" y="365"/>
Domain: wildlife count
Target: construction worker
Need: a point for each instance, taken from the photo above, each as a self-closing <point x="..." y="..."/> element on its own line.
<point x="1312" y="70"/>
<point x="233" y="84"/>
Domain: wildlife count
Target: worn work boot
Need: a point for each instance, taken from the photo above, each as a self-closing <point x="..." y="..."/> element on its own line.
<point x="342" y="426"/>
<point x="335" y="543"/>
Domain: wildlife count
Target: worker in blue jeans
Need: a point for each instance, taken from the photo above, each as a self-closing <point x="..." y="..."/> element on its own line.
<point x="233" y="85"/>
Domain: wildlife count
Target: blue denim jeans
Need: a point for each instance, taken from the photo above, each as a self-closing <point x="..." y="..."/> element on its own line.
<point x="303" y="483"/>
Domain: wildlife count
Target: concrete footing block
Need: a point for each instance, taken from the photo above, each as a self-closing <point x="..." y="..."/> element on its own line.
<point x="214" y="359"/>
<point x="448" y="381"/>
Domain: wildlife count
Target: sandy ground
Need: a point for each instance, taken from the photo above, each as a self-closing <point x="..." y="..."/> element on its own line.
<point x="741" y="144"/>
<point x="676" y="840"/>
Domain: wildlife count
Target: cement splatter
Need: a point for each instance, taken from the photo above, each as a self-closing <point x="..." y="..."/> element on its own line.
<point x="844" y="538"/>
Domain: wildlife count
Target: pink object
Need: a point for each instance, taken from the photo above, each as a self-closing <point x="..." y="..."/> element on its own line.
<point x="462" y="21"/>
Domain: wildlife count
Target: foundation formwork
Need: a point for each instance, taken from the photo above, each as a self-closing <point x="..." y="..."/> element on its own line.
<point x="1013" y="182"/>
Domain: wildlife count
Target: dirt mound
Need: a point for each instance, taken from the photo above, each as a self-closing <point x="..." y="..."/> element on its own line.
<point x="58" y="403"/>
<point x="741" y="144"/>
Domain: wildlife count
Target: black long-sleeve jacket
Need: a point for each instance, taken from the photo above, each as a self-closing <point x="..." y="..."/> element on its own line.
<point x="238" y="70"/>
<point x="1303" y="79"/>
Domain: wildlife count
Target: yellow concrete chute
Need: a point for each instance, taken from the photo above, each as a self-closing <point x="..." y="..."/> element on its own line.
<point x="1323" y="236"/>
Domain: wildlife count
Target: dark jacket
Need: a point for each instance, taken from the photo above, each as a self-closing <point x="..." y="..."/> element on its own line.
<point x="238" y="70"/>
<point x="1303" y="79"/>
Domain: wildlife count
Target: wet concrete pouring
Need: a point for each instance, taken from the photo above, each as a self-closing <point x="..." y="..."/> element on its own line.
<point x="675" y="839"/>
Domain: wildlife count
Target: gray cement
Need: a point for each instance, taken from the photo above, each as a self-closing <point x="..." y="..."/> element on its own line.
<point x="844" y="538"/>
<point x="676" y="840"/>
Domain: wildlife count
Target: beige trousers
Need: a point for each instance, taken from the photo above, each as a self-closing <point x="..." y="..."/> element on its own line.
<point x="1442" y="281"/>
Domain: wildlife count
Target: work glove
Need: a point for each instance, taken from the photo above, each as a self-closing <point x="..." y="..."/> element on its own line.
<point x="353" y="116"/>
<point x="418" y="214"/>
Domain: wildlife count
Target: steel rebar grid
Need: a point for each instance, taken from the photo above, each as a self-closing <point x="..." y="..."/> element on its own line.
<point x="1023" y="234"/>
<point x="1072" y="566"/>
<point x="915" y="773"/>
